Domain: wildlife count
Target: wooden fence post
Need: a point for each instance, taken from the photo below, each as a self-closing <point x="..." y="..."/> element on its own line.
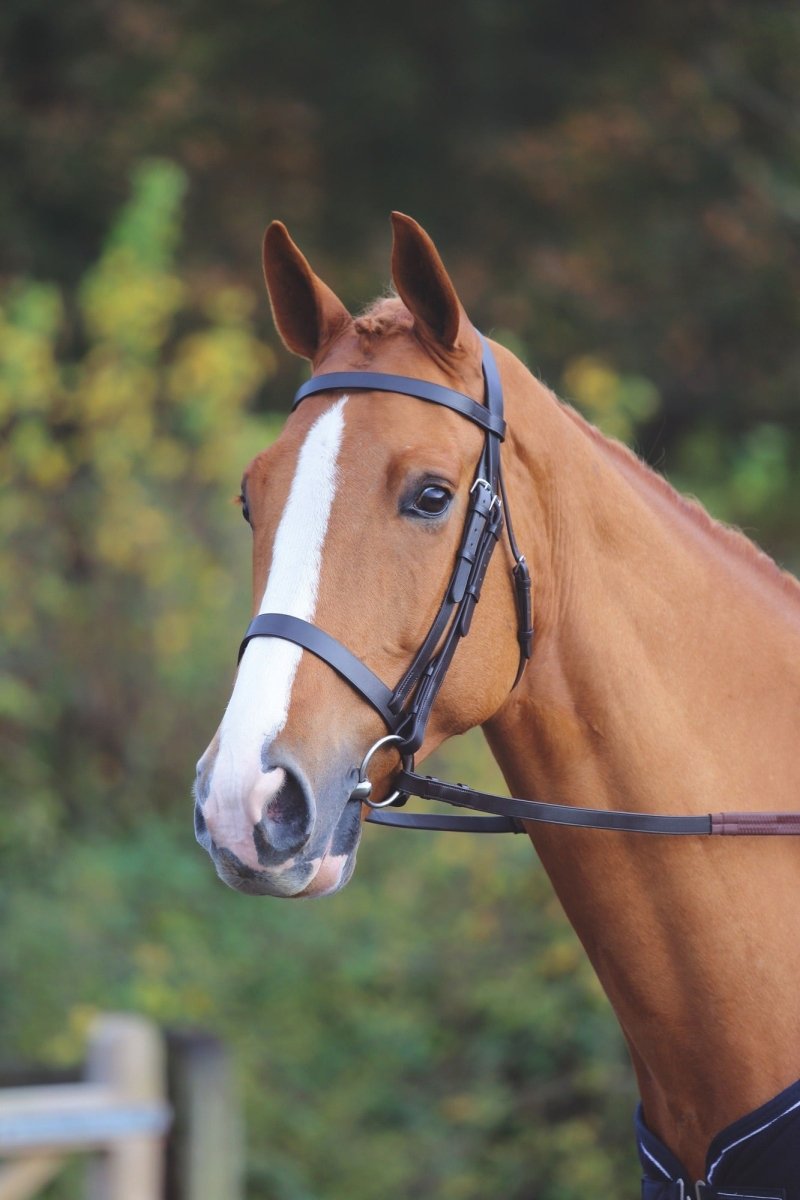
<point x="204" y="1155"/>
<point x="125" y="1053"/>
<point x="22" y="1179"/>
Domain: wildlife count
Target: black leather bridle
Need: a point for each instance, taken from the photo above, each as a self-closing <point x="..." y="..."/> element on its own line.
<point x="405" y="709"/>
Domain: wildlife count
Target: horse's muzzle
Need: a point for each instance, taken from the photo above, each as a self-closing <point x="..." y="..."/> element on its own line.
<point x="272" y="841"/>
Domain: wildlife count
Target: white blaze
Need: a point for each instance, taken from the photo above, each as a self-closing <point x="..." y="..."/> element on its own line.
<point x="262" y="693"/>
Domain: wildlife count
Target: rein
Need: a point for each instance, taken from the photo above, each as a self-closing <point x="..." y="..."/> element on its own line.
<point x="509" y="815"/>
<point x="405" y="710"/>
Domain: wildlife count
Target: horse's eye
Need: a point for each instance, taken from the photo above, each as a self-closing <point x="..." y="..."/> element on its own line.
<point x="245" y="509"/>
<point x="432" y="501"/>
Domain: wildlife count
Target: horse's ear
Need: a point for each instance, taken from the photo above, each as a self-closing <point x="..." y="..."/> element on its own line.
<point x="423" y="283"/>
<point x="307" y="313"/>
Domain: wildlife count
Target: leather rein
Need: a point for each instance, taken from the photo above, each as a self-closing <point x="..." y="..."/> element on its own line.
<point x="406" y="708"/>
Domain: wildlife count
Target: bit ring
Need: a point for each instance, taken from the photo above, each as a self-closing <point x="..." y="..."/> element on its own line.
<point x="363" y="789"/>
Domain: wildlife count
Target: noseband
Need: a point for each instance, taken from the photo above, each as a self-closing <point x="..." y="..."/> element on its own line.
<point x="405" y="710"/>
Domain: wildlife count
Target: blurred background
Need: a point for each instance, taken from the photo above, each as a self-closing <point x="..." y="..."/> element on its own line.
<point x="615" y="189"/>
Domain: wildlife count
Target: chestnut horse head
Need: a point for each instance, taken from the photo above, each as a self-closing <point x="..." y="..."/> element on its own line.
<point x="357" y="512"/>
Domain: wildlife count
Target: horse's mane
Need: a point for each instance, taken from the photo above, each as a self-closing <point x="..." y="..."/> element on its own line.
<point x="734" y="539"/>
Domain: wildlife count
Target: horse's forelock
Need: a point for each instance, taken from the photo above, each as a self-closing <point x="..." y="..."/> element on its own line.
<point x="386" y="315"/>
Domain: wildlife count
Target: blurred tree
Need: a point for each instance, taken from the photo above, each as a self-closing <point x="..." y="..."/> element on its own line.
<point x="123" y="425"/>
<point x="617" y="181"/>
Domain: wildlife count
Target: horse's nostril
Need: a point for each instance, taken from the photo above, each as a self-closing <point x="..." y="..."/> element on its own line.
<point x="200" y="829"/>
<point x="288" y="817"/>
<point x="202" y="783"/>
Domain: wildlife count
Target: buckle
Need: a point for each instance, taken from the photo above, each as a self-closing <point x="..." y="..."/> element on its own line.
<point x="495" y="502"/>
<point x="480" y="482"/>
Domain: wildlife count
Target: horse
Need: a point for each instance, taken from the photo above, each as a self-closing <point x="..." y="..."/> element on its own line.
<point x="664" y="678"/>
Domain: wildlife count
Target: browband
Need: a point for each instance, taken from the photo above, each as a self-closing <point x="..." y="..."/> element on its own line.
<point x="404" y="385"/>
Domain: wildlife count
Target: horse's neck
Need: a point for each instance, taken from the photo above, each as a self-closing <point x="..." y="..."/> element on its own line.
<point x="666" y="678"/>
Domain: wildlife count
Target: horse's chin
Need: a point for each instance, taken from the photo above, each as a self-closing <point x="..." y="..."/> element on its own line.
<point x="327" y="875"/>
<point x="296" y="878"/>
<point x="333" y="873"/>
<point x="338" y="859"/>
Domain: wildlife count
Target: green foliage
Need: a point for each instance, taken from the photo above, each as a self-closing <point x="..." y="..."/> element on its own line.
<point x="380" y="1050"/>
<point x="616" y="404"/>
<point x="750" y="479"/>
<point x="609" y="182"/>
<point x="124" y="427"/>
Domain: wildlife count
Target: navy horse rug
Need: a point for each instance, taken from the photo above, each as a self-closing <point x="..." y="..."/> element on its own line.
<point x="755" y="1158"/>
